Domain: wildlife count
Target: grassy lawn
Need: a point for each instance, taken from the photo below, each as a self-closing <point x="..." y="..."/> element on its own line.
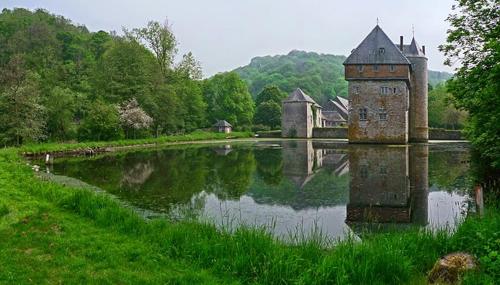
<point x="54" y="234"/>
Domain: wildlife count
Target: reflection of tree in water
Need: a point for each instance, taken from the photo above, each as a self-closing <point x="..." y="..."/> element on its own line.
<point x="449" y="168"/>
<point x="230" y="175"/>
<point x="269" y="165"/>
<point x="137" y="174"/>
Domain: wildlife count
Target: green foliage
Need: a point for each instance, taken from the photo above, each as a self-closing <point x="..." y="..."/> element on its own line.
<point x="228" y="99"/>
<point x="319" y="75"/>
<point x="473" y="39"/>
<point x="22" y="117"/>
<point x="76" y="67"/>
<point x="101" y="123"/>
<point x="270" y="93"/>
<point x="61" y="109"/>
<point x="268" y="114"/>
<point x="442" y="113"/>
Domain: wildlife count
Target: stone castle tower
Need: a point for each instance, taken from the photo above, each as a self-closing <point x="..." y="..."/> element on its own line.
<point x="387" y="91"/>
<point x="300" y="115"/>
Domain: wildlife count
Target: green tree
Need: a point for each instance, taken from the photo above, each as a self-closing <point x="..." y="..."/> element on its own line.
<point x="473" y="40"/>
<point x="228" y="99"/>
<point x="189" y="67"/>
<point x="101" y="123"/>
<point x="22" y="117"/>
<point x="161" y="40"/>
<point x="60" y="114"/>
<point x="126" y="70"/>
<point x="442" y="112"/>
<point x="270" y="93"/>
<point x="268" y="114"/>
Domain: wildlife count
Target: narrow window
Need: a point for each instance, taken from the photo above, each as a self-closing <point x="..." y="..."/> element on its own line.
<point x="392" y="68"/>
<point x="363" y="114"/>
<point x="381" y="50"/>
<point x="382" y="114"/>
<point x="394" y="90"/>
<point x="360" y="68"/>
<point x="356" y="89"/>
<point x="384" y="90"/>
<point x="375" y="67"/>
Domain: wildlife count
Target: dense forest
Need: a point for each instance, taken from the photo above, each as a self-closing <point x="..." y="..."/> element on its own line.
<point x="60" y="82"/>
<point x="319" y="75"/>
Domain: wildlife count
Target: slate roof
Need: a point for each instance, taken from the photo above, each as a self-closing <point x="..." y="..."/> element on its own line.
<point x="414" y="49"/>
<point x="222" y="123"/>
<point x="299" y="96"/>
<point x="343" y="101"/>
<point x="369" y="50"/>
<point x="333" y="116"/>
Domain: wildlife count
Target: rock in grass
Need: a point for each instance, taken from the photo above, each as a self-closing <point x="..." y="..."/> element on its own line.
<point x="449" y="268"/>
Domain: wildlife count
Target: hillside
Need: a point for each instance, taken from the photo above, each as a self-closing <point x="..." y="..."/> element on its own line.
<point x="320" y="75"/>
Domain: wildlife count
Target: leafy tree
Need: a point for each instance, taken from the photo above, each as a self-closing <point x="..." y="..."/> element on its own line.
<point x="268" y="114"/>
<point x="60" y="114"/>
<point x="126" y="70"/>
<point x="473" y="41"/>
<point x="22" y="117"/>
<point x="189" y="67"/>
<point x="228" y="99"/>
<point x="270" y="93"/>
<point x="442" y="113"/>
<point x="193" y="107"/>
<point x="101" y="123"/>
<point x="133" y="117"/>
<point x="160" y="39"/>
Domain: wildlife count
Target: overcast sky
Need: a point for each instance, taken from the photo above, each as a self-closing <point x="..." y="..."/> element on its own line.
<point x="225" y="34"/>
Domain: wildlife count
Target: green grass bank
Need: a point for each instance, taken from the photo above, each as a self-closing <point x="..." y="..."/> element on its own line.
<point x="51" y="233"/>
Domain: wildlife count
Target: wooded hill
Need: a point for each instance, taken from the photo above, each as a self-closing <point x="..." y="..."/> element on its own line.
<point x="320" y="75"/>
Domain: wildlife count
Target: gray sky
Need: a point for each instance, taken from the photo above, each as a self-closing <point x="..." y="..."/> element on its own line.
<point x="225" y="34"/>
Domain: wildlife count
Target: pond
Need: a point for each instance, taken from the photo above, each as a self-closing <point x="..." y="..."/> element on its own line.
<point x="290" y="187"/>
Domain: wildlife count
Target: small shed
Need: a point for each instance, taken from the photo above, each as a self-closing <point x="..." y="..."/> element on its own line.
<point x="223" y="126"/>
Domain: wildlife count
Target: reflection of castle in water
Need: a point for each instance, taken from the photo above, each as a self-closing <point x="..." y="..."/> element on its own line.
<point x="386" y="184"/>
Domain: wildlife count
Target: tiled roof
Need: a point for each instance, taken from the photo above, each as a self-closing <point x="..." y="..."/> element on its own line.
<point x="299" y="96"/>
<point x="222" y="123"/>
<point x="376" y="48"/>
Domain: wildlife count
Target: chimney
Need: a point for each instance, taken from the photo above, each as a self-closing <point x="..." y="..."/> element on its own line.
<point x="423" y="49"/>
<point x="401" y="43"/>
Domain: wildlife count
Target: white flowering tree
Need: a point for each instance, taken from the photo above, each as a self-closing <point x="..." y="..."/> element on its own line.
<point x="133" y="117"/>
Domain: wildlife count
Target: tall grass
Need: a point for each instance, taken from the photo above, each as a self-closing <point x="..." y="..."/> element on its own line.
<point x="254" y="256"/>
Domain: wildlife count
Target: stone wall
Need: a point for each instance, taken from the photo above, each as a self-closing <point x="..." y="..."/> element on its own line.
<point x="442" y="134"/>
<point x="341" y="133"/>
<point x="330" y="133"/>
<point x="297" y="120"/>
<point x="366" y="94"/>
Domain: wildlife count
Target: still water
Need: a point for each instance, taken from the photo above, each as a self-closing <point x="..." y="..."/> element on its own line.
<point x="289" y="187"/>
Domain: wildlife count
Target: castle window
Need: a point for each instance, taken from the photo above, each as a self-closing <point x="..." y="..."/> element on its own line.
<point x="381" y="50"/>
<point x="384" y="90"/>
<point x="360" y="68"/>
<point x="394" y="90"/>
<point x="382" y="114"/>
<point x="375" y="67"/>
<point x="363" y="114"/>
<point x="392" y="68"/>
<point x="355" y="89"/>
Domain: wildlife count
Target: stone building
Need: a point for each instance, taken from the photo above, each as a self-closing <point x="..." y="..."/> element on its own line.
<point x="223" y="126"/>
<point x="300" y="115"/>
<point x="335" y="112"/>
<point x="387" y="91"/>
